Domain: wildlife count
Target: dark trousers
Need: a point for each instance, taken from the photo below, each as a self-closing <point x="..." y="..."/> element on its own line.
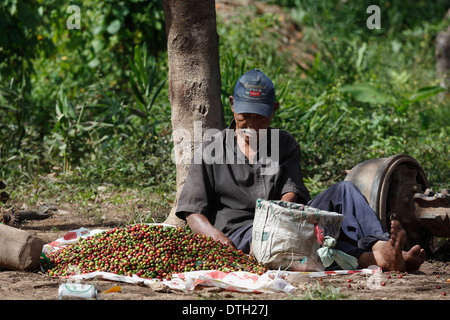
<point x="360" y="228"/>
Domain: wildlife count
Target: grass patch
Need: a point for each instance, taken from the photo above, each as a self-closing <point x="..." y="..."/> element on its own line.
<point x="320" y="292"/>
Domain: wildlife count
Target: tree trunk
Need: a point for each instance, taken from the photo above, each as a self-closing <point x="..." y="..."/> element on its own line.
<point x="443" y="54"/>
<point x="194" y="80"/>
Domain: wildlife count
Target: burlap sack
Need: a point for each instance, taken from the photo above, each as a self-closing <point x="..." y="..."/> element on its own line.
<point x="287" y="235"/>
<point x="19" y="249"/>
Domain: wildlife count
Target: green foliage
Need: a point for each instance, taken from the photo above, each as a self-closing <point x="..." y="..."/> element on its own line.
<point x="19" y="39"/>
<point x="92" y="104"/>
<point x="367" y="93"/>
<point x="147" y="82"/>
<point x="69" y="98"/>
<point x="318" y="292"/>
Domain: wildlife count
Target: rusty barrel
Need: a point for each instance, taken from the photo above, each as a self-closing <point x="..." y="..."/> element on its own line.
<point x="389" y="185"/>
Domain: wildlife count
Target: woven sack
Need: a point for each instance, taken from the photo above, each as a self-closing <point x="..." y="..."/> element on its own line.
<point x="287" y="235"/>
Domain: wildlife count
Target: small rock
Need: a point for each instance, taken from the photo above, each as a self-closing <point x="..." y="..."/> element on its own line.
<point x="159" y="287"/>
<point x="297" y="279"/>
<point x="101" y="189"/>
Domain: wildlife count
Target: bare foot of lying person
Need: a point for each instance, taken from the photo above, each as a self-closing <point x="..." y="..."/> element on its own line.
<point x="388" y="255"/>
<point x="414" y="258"/>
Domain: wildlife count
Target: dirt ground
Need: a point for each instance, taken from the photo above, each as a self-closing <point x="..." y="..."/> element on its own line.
<point x="430" y="282"/>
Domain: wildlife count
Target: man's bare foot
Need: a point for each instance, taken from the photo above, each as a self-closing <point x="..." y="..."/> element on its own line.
<point x="389" y="256"/>
<point x="414" y="258"/>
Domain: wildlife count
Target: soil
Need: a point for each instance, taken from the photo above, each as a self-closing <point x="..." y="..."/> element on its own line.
<point x="428" y="283"/>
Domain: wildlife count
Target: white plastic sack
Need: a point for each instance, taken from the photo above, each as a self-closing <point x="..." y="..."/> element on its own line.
<point x="287" y="235"/>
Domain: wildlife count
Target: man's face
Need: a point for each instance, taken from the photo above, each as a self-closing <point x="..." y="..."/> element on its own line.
<point x="249" y="124"/>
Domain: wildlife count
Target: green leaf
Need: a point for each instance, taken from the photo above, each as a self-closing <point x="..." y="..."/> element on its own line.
<point x="425" y="92"/>
<point x="97" y="45"/>
<point x="361" y="53"/>
<point x="94" y="63"/>
<point x="155" y="95"/>
<point x="365" y="92"/>
<point x="137" y="92"/>
<point x="9" y="108"/>
<point x="137" y="112"/>
<point x="114" y="27"/>
<point x="13" y="8"/>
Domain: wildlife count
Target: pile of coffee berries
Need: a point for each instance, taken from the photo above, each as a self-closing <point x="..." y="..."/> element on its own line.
<point x="149" y="251"/>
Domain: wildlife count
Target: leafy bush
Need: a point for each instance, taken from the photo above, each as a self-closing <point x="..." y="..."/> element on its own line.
<point x="69" y="98"/>
<point x="93" y="101"/>
<point x="368" y="93"/>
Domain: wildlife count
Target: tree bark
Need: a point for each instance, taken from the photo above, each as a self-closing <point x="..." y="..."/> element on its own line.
<point x="443" y="54"/>
<point x="194" y="80"/>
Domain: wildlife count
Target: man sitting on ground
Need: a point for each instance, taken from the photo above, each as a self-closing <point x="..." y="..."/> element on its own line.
<point x="251" y="160"/>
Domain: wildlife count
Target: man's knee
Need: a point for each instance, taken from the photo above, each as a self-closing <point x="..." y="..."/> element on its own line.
<point x="347" y="188"/>
<point x="351" y="191"/>
<point x="336" y="194"/>
<point x="346" y="185"/>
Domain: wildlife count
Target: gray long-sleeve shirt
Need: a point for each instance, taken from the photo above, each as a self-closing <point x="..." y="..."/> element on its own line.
<point x="224" y="185"/>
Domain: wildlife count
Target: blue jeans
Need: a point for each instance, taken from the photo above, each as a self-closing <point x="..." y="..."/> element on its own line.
<point x="360" y="228"/>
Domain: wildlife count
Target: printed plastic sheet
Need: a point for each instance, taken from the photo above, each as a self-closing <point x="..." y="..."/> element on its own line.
<point x="69" y="238"/>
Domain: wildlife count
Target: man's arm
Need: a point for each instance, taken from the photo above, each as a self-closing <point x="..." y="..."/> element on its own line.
<point x="290" y="197"/>
<point x="200" y="224"/>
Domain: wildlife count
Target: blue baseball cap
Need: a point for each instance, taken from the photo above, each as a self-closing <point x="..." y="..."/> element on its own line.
<point x="254" y="93"/>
